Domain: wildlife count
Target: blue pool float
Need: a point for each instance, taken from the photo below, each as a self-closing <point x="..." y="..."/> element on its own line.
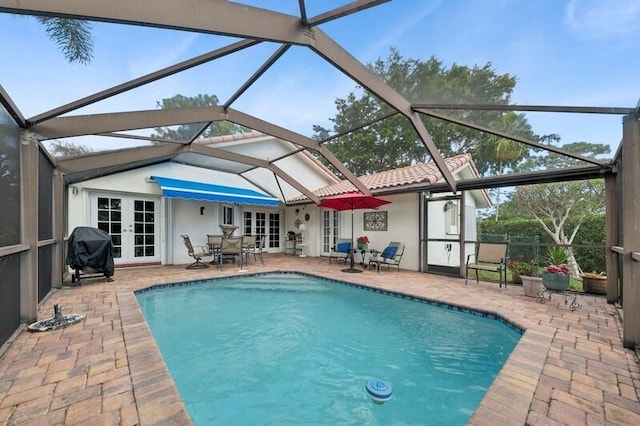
<point x="379" y="391"/>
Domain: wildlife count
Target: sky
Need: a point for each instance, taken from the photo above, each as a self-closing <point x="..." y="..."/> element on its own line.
<point x="562" y="52"/>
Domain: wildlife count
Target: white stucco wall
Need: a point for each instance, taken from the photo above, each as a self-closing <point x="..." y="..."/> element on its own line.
<point x="185" y="218"/>
<point x="180" y="217"/>
<point x="177" y="216"/>
<point x="402" y="226"/>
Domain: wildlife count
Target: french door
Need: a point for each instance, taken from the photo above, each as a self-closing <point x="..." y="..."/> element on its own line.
<point x="330" y="230"/>
<point x="263" y="224"/>
<point x="132" y="222"/>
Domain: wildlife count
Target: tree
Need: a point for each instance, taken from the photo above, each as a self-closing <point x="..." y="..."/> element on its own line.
<point x="72" y="36"/>
<point x="394" y="143"/>
<point x="553" y="204"/>
<point x="66" y="148"/>
<point x="506" y="152"/>
<point x="185" y="132"/>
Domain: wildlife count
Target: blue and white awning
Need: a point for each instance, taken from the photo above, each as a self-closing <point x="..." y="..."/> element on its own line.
<point x="176" y="188"/>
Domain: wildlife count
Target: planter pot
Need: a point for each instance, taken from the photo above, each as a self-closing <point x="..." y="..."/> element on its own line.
<point x="362" y="246"/>
<point x="556" y="282"/>
<point x="594" y="285"/>
<point x="516" y="278"/>
<point x="532" y="286"/>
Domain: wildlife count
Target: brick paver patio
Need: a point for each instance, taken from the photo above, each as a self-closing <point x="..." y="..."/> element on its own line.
<point x="569" y="367"/>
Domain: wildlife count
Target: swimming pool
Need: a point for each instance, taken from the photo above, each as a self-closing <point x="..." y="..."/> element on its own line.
<point x="292" y="348"/>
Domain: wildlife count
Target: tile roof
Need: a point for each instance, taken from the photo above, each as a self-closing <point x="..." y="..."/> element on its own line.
<point x="426" y="173"/>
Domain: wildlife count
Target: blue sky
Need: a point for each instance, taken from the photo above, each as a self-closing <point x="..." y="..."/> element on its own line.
<point x="572" y="52"/>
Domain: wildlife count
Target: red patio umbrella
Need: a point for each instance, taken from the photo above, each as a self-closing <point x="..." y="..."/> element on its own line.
<point x="352" y="201"/>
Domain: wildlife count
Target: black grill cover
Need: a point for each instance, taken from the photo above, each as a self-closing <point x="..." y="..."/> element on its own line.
<point x="90" y="247"/>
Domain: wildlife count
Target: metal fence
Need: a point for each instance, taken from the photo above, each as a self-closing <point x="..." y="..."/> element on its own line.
<point x="590" y="257"/>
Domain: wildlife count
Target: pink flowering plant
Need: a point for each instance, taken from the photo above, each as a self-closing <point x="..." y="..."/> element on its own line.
<point x="558" y="269"/>
<point x="363" y="239"/>
<point x="557" y="256"/>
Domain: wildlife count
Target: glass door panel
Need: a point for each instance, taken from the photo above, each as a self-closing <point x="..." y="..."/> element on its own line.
<point x="144" y="228"/>
<point x="261" y="224"/>
<point x="273" y="239"/>
<point x="110" y="221"/>
<point x="133" y="225"/>
<point x="330" y="228"/>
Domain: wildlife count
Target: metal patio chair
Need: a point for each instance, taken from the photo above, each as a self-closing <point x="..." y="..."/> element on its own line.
<point x="196" y="252"/>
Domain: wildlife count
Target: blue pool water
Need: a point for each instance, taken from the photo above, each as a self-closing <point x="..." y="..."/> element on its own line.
<point x="291" y="349"/>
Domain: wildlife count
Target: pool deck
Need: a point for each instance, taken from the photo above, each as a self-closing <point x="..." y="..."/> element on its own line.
<point x="569" y="367"/>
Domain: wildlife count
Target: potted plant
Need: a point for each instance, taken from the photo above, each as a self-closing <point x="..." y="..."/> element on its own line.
<point x="529" y="273"/>
<point x="594" y="282"/>
<point x="556" y="275"/>
<point x="518" y="268"/>
<point x="362" y="242"/>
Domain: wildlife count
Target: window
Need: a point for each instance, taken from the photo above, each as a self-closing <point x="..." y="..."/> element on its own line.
<point x="227" y="215"/>
<point x="451" y="217"/>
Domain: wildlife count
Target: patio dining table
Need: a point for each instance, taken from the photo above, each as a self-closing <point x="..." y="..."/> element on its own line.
<point x="214" y="242"/>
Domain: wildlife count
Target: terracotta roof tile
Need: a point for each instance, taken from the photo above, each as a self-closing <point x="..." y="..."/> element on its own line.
<point x="426" y="173"/>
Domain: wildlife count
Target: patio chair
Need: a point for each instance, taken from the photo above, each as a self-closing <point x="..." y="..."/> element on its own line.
<point x="196" y="252"/>
<point x="231" y="248"/>
<point x="214" y="242"/>
<point x="248" y="246"/>
<point x="341" y="251"/>
<point x="258" y="249"/>
<point x="390" y="256"/>
<point x="490" y="257"/>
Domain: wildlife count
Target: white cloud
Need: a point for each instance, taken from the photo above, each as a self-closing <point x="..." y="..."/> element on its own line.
<point x="161" y="55"/>
<point x="396" y="32"/>
<point x="603" y="19"/>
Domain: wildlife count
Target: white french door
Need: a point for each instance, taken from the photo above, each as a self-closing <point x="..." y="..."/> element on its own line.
<point x="330" y="230"/>
<point x="132" y="222"/>
<point x="263" y="223"/>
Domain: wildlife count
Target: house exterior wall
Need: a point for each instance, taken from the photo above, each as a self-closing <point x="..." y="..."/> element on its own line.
<point x="402" y="226"/>
<point x="183" y="217"/>
<point x="176" y="216"/>
<point x="135" y="182"/>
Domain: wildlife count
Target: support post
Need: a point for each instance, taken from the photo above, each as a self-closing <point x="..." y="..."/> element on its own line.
<point x="630" y="230"/>
<point x="463" y="232"/>
<point x="29" y="222"/>
<point x="57" y="266"/>
<point x="611" y="220"/>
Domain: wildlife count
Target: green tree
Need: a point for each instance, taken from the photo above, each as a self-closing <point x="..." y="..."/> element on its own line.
<point x="185" y="132"/>
<point x="506" y="152"/>
<point x="394" y="143"/>
<point x="66" y="148"/>
<point x="554" y="205"/>
<point x="72" y="36"/>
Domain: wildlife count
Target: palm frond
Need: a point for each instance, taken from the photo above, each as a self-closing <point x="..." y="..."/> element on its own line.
<point x="72" y="36"/>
